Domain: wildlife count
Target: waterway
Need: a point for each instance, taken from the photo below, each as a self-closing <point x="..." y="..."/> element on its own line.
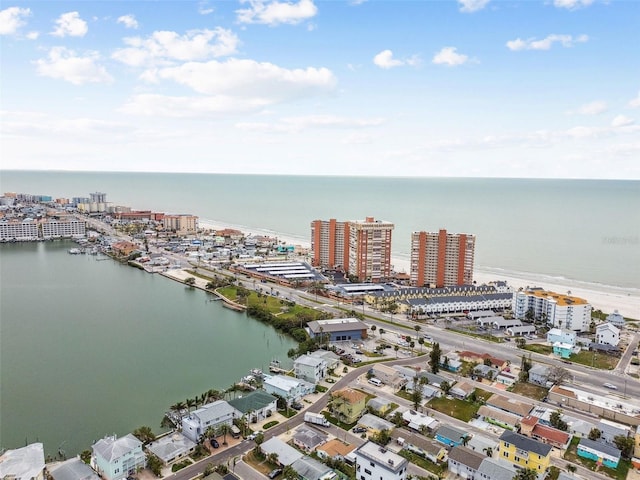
<point x="90" y="348"/>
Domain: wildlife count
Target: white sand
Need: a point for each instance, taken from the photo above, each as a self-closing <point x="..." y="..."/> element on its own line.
<point x="607" y="299"/>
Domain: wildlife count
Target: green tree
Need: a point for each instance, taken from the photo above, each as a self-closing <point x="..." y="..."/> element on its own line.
<point x="445" y="387"/>
<point x="144" y="434"/>
<point x="288" y="473"/>
<point x="396" y="348"/>
<point x="223" y="430"/>
<point x="383" y="437"/>
<point x="373" y="329"/>
<point x="85" y="456"/>
<point x="556" y="421"/>
<point x="434" y="358"/>
<point x="624" y="444"/>
<point x="421" y="343"/>
<point x="594" y="434"/>
<point x="154" y="464"/>
<point x="190" y="281"/>
<point x="416" y="394"/>
<point x="521" y="342"/>
<point x="525" y="366"/>
<point x="417" y="328"/>
<point x="526" y="474"/>
<point x="488" y="451"/>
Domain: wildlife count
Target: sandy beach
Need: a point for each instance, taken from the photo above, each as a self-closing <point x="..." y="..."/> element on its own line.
<point x="607" y="299"/>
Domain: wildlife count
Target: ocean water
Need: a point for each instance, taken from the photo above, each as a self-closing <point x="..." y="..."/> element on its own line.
<point x="583" y="231"/>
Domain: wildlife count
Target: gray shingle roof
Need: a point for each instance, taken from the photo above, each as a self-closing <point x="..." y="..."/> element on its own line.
<point x="452" y="433"/>
<point x="466" y="456"/>
<point x="73" y="469"/>
<point x="525" y="443"/>
<point x="310" y="469"/>
<point x="111" y="448"/>
<point x="496" y="469"/>
<point x="600" y="447"/>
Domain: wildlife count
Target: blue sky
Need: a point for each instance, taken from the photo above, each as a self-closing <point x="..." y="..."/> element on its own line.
<point x="478" y="88"/>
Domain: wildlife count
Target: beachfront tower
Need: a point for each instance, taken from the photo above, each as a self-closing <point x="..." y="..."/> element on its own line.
<point x="442" y="259"/>
<point x="362" y="248"/>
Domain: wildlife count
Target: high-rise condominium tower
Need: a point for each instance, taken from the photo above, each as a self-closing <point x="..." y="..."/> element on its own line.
<point x="442" y="259"/>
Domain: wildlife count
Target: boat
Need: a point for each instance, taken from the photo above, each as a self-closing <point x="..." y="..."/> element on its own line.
<point x="275" y="366"/>
<point x="74" y="251"/>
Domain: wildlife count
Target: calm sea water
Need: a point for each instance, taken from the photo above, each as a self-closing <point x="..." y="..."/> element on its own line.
<point x="90" y="348"/>
<point x="580" y="230"/>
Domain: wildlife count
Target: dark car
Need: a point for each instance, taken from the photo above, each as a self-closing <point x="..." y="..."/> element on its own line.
<point x="359" y="430"/>
<point x="214" y="443"/>
<point x="275" y="472"/>
<point x="296" y="406"/>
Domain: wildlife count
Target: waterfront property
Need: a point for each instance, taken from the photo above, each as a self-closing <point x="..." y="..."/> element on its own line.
<point x="310" y="368"/>
<point x="291" y="389"/>
<point x="599" y="452"/>
<point x="26" y="463"/>
<point x="171" y="447"/>
<point x="558" y="310"/>
<point x="117" y="458"/>
<point x="256" y="405"/>
<point x="374" y="462"/>
<point x="213" y="415"/>
<point x="72" y="469"/>
<point x="338" y="329"/>
<point x="607" y="334"/>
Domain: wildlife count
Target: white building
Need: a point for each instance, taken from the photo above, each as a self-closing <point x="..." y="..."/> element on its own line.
<point x="68" y="228"/>
<point x="563" y="336"/>
<point x="116" y="458"/>
<point x="558" y="310"/>
<point x="374" y="462"/>
<point x="616" y="319"/>
<point x="18" y="230"/>
<point x="172" y="447"/>
<point x="26" y="463"/>
<point x="607" y="334"/>
<point x="212" y="415"/>
<point x="291" y="389"/>
<point x="310" y="368"/>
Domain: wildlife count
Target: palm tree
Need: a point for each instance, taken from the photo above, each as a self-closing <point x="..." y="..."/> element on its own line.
<point x="396" y="348"/>
<point x="223" y="430"/>
<point x="421" y="342"/>
<point x="526" y="474"/>
<point x="178" y="407"/>
<point x="191" y="402"/>
<point x="417" y="328"/>
<point x="488" y="451"/>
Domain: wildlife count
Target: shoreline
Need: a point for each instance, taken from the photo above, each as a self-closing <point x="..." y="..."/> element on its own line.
<point x="606" y="298"/>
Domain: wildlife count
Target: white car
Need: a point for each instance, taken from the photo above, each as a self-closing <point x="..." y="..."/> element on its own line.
<point x="610" y="386"/>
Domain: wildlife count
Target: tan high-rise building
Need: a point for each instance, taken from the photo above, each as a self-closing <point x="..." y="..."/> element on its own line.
<point x="362" y="248"/>
<point x="181" y="223"/>
<point x="442" y="259"/>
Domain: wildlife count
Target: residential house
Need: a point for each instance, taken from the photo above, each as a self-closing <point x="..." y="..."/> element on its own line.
<point x="461" y="390"/>
<point x="289" y="388"/>
<point x="521" y="330"/>
<point x="563" y="336"/>
<point x="419" y="421"/>
<point x="524" y="452"/>
<point x="483" y="444"/>
<point x="425" y="447"/>
<point x="380" y="405"/>
<point x="506" y="377"/>
<point x="539" y="375"/>
<point x="451" y="436"/>
<point x="309" y="368"/>
<point x="428" y="391"/>
<point x="309" y="469"/>
<point x="171" y="447"/>
<point x="610" y="430"/>
<point x="375" y="425"/>
<point x="335" y="449"/>
<point x="485" y="371"/>
<point x="607" y="334"/>
<point x="124" y="248"/>
<point x="308" y="439"/>
<point x="210" y="416"/>
<point x="72" y="469"/>
<point x="388" y="375"/>
<point x="483" y="359"/>
<point x="601" y="452"/>
<point x="256" y="405"/>
<point x="286" y="453"/>
<point x="532" y="428"/>
<point x="374" y="462"/>
<point x="116" y="458"/>
<point x="497" y="469"/>
<point x="328" y="356"/>
<point x="347" y="405"/>
<point x="464" y="462"/>
<point x="510" y="405"/>
<point x="499" y="417"/>
<point x="563" y="350"/>
<point x="450" y="363"/>
<point x="615" y="319"/>
<point x="26" y="463"/>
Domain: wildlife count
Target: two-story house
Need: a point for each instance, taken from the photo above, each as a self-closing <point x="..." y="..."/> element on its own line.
<point x="607" y="334"/>
<point x="116" y="458"/>
<point x="525" y="452"/>
<point x="310" y="368"/>
<point x="347" y="405"/>
<point x="374" y="462"/>
<point x="211" y="416"/>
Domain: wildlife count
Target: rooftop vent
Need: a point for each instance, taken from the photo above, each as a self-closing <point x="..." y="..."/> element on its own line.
<point x="390" y="461"/>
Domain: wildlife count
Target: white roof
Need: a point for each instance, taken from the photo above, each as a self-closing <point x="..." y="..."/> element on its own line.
<point x="110" y="448"/>
<point x="282" y="382"/>
<point x="309" y="360"/>
<point x="286" y="454"/>
<point x="73" y="469"/>
<point x="23" y="463"/>
<point x="608" y="326"/>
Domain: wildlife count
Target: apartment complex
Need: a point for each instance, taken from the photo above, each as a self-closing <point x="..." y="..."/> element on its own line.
<point x="181" y="224"/>
<point x="374" y="462"/>
<point x="442" y="259"/>
<point x="558" y="310"/>
<point x="29" y="230"/>
<point x="361" y="247"/>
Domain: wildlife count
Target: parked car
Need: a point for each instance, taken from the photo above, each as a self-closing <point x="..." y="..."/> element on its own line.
<point x="274" y="473"/>
<point x="359" y="430"/>
<point x="214" y="443"/>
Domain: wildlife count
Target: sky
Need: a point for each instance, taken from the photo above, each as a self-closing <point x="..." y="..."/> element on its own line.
<point x="455" y="88"/>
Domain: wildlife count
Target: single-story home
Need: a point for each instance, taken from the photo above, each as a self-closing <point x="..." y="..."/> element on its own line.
<point x="419" y="421"/>
<point x="171" y="447"/>
<point x="451" y="436"/>
<point x="286" y="453"/>
<point x="375" y="424"/>
<point x="601" y="452"/>
<point x="461" y="390"/>
<point x="308" y="439"/>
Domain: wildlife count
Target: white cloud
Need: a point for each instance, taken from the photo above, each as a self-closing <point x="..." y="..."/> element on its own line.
<point x="545" y="43"/>
<point x="572" y="4"/>
<point x="204" y="8"/>
<point x="622" y="121"/>
<point x="128" y="21"/>
<point x="592" y="108"/>
<point x="181" y="107"/>
<point x="275" y="12"/>
<point x="12" y="18"/>
<point x="298" y="124"/>
<point x="66" y="65"/>
<point x="385" y="60"/>
<point x="33" y="35"/>
<point x="70" y="24"/>
<point x="164" y="47"/>
<point x="250" y="78"/>
<point x="449" y="56"/>
<point x="470" y="6"/>
<point x="635" y="102"/>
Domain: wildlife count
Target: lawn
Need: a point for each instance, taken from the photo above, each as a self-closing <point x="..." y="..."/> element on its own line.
<point x="259" y="464"/>
<point x="537" y="348"/>
<point x="529" y="390"/>
<point x="423" y="462"/>
<point x="596" y="360"/>
<point x="460" y="409"/>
